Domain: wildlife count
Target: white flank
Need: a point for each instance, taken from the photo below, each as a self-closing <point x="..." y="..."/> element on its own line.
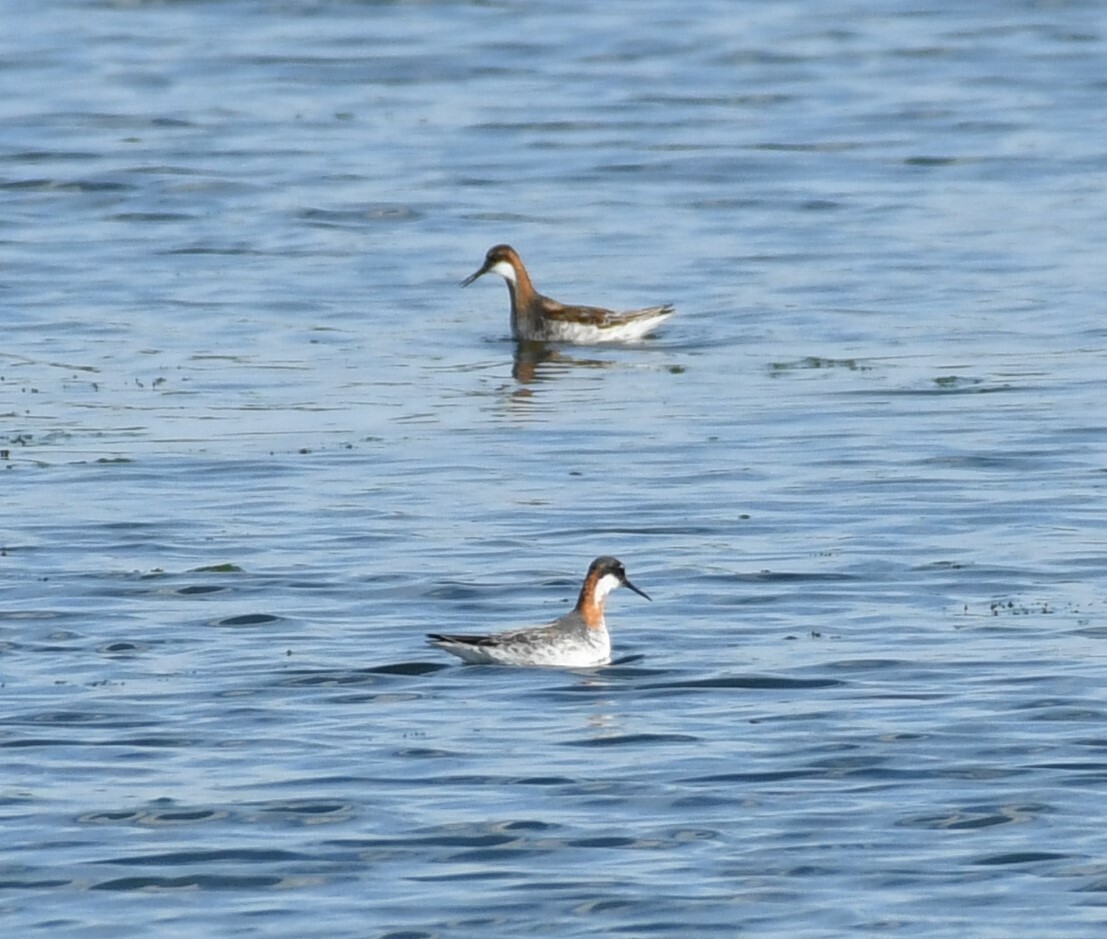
<point x="627" y="331"/>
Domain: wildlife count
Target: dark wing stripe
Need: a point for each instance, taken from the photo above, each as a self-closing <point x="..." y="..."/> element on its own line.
<point x="464" y="640"/>
<point x="589" y="315"/>
<point x="596" y="316"/>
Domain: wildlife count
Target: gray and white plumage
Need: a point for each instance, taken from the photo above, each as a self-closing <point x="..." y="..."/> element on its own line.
<point x="579" y="639"/>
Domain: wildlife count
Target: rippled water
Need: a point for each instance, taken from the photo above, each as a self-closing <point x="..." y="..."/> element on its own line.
<point x="256" y="442"/>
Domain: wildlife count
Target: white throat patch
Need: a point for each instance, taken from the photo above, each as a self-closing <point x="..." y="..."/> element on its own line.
<point x="605" y="585"/>
<point x="505" y="270"/>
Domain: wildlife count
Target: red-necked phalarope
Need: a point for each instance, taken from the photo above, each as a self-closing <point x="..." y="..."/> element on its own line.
<point x="577" y="640"/>
<point x="537" y="318"/>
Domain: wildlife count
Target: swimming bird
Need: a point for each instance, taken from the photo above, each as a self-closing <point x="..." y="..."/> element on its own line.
<point x="576" y="640"/>
<point x="536" y="318"/>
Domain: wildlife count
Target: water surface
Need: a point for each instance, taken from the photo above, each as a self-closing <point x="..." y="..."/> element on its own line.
<point x="256" y="442"/>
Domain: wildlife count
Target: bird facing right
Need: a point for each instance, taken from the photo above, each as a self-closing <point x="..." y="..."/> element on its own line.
<point x="579" y="639"/>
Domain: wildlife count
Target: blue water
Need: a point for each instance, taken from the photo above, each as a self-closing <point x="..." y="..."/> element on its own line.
<point x="255" y="442"/>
